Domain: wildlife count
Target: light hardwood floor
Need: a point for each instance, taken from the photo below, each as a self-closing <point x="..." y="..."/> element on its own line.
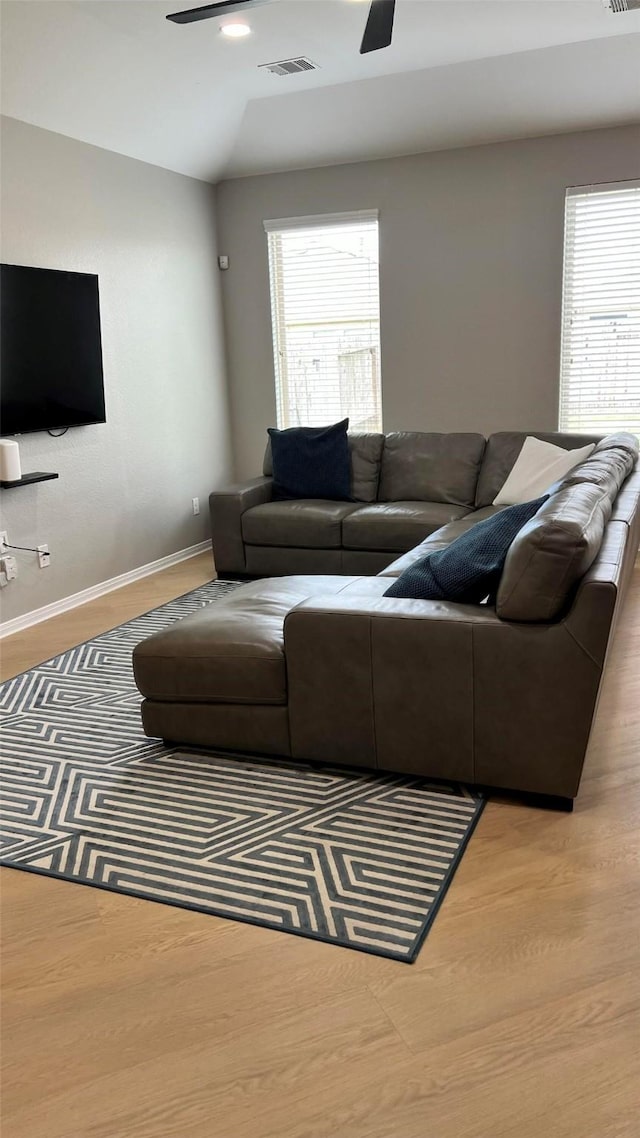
<point x="126" y="1019"/>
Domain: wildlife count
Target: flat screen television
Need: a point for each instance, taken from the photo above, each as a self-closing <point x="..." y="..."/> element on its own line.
<point x="50" y="350"/>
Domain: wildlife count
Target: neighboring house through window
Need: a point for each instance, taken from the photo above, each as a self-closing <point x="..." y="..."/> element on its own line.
<point x="325" y="311"/>
<point x="600" y="355"/>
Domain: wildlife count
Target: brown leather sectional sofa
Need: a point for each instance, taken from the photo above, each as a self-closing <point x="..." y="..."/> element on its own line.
<point x="324" y="667"/>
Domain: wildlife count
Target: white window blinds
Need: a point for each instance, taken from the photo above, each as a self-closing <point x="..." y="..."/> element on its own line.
<point x="325" y="311"/>
<point x="600" y="353"/>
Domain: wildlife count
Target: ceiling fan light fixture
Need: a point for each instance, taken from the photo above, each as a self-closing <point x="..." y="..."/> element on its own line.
<point x="236" y="31"/>
<point x="378" y="31"/>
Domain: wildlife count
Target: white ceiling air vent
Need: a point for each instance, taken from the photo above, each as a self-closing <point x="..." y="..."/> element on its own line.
<point x="293" y="66"/>
<point x="619" y="6"/>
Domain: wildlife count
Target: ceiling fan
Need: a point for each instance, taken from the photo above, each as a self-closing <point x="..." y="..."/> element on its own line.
<point x="377" y="33"/>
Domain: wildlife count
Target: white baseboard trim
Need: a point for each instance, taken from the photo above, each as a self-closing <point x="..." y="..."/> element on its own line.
<point x="8" y="627"/>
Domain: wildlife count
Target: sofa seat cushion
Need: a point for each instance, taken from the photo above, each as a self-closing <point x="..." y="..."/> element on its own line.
<point x="231" y="651"/>
<point x="396" y="526"/>
<point x="303" y="523"/>
<point x="439" y="539"/>
<point x="430" y="467"/>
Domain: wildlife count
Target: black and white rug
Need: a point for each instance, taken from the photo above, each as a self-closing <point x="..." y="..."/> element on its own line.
<point x="356" y="859"/>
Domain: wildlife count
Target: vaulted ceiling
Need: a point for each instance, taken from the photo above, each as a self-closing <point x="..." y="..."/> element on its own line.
<point x="117" y="74"/>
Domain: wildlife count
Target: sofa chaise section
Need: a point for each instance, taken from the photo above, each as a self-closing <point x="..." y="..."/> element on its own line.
<point x="224" y="676"/>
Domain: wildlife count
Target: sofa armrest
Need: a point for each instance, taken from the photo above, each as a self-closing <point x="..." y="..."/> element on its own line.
<point x="226" y="508"/>
<point x="389" y="681"/>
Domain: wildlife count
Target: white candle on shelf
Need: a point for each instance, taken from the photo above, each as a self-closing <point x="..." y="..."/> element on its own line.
<point x="10" y="469"/>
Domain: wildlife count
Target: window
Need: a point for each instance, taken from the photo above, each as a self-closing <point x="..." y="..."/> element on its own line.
<point x="600" y="354"/>
<point x="325" y="312"/>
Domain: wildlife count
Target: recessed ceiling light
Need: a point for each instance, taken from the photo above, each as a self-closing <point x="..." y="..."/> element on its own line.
<point x="236" y="30"/>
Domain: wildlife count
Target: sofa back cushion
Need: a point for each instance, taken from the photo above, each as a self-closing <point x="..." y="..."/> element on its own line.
<point x="365" y="452"/>
<point x="502" y="451"/>
<point x="428" y="467"/>
<point x="609" y="465"/>
<point x="552" y="552"/>
<point x="620" y="440"/>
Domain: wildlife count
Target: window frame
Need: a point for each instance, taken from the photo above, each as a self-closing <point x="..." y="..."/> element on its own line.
<point x="275" y="226"/>
<point x="568" y="306"/>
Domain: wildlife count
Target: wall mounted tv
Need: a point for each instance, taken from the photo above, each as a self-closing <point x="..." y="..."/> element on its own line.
<point x="50" y="350"/>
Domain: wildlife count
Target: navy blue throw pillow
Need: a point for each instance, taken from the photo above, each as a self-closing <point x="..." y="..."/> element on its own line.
<point x="470" y="568"/>
<point x="311" y="462"/>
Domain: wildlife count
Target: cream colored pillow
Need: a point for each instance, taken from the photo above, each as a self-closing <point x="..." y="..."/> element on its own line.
<point x="536" y="468"/>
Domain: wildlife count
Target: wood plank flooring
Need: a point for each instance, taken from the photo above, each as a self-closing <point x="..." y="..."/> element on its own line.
<point x="520" y="1018"/>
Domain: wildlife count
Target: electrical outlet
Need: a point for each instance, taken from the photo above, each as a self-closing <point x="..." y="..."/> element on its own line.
<point x="4" y="541"/>
<point x="195" y="503"/>
<point x="9" y="566"/>
<point x="44" y="556"/>
<point x="4" y="580"/>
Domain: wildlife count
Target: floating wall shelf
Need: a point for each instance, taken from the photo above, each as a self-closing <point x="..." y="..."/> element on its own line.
<point x="27" y="479"/>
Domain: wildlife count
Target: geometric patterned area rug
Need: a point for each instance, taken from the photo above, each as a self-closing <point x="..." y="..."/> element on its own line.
<point x="357" y="859"/>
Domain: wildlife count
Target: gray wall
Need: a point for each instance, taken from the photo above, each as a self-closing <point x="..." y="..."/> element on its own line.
<point x="124" y="494"/>
<point x="470" y="278"/>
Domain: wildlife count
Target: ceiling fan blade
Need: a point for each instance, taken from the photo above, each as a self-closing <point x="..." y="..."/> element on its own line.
<point x="220" y="9"/>
<point x="379" y="29"/>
